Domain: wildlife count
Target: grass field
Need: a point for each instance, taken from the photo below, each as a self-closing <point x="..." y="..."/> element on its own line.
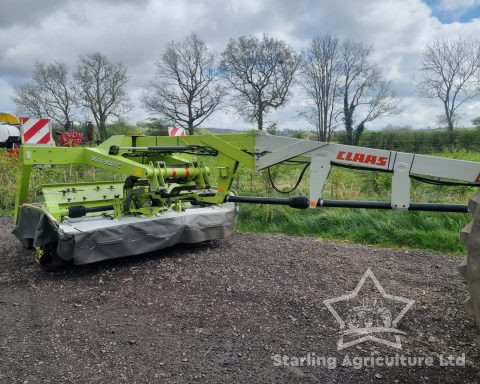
<point x="438" y="232"/>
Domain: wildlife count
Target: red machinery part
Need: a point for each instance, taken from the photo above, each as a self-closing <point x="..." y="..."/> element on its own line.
<point x="71" y="139"/>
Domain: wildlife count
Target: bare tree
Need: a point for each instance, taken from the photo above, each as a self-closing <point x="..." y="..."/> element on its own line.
<point x="321" y="77"/>
<point x="450" y="71"/>
<point x="27" y="98"/>
<point x="50" y="93"/>
<point x="365" y="92"/>
<point x="185" y="90"/>
<point x="261" y="71"/>
<point x="100" y="87"/>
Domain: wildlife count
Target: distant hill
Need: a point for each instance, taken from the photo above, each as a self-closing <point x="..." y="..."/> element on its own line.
<point x="225" y="130"/>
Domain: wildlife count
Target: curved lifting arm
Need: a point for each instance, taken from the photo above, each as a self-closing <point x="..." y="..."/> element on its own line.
<point x="404" y="166"/>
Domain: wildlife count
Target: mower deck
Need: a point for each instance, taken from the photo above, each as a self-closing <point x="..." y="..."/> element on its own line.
<point x="91" y="239"/>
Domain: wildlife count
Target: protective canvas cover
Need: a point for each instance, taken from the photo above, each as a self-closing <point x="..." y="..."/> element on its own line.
<point x="93" y="239"/>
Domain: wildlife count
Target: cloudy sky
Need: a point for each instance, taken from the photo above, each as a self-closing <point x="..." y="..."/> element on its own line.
<point x="135" y="32"/>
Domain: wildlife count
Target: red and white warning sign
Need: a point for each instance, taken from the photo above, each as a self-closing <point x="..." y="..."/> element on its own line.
<point x="36" y="131"/>
<point x="175" y="131"/>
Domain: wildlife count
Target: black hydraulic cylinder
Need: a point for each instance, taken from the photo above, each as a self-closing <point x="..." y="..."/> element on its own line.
<point x="300" y="202"/>
<point x="433" y="207"/>
<point x="170" y="148"/>
<point x="354" y="204"/>
<point x="80" y="210"/>
<point x="460" y="208"/>
<point x="114" y="150"/>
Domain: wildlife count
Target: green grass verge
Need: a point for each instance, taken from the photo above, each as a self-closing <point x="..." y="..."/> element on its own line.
<point x="437" y="232"/>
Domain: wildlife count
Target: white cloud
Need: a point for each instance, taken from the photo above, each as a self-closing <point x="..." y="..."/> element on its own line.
<point x="6" y="93"/>
<point x="136" y="32"/>
<point x="455" y="5"/>
<point x="455" y="9"/>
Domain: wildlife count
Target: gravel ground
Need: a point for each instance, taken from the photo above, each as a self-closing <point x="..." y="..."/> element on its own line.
<point x="221" y="311"/>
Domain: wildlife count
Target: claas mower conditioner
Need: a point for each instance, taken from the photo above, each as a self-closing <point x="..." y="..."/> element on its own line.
<point x="168" y="195"/>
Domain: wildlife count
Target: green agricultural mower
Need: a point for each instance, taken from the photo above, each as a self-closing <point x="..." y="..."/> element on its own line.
<point x="169" y="195"/>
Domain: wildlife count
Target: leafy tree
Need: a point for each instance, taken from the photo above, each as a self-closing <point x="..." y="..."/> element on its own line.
<point x="272" y="129"/>
<point x="121" y="127"/>
<point x="476" y="122"/>
<point x="156" y="127"/>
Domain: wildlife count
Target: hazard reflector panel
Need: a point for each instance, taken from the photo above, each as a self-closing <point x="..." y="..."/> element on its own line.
<point x="175" y="131"/>
<point x="36" y="131"/>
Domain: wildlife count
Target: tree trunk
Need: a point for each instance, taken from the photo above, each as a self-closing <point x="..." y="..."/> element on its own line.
<point x="347" y="117"/>
<point x="191" y="129"/>
<point x="90" y="133"/>
<point x="357" y="133"/>
<point x="102" y="128"/>
<point x="451" y="137"/>
<point x="348" y="125"/>
<point x="319" y="123"/>
<point x="449" y="117"/>
<point x="323" y="122"/>
<point x="260" y="119"/>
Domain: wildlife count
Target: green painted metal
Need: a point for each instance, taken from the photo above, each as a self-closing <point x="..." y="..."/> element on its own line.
<point x="157" y="180"/>
<point x="23" y="183"/>
<point x="58" y="197"/>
